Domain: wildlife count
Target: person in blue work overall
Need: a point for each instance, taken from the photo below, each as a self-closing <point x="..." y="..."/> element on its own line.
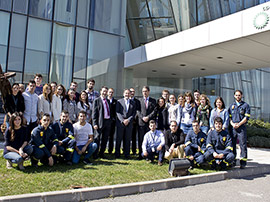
<point x="195" y="145"/>
<point x="64" y="132"/>
<point x="44" y="142"/>
<point x="239" y="113"/>
<point x="219" y="151"/>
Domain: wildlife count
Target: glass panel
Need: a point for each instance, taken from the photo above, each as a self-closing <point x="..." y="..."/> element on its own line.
<point x="256" y="84"/>
<point x="226" y="80"/>
<point x="17" y="42"/>
<point x="108" y="16"/>
<point x="141" y="31"/>
<point x="203" y="11"/>
<point x="5" y="4"/>
<point x="61" y="58"/>
<point x="41" y="8"/>
<point x="164" y="27"/>
<point x="103" y="58"/>
<point x="159" y="8"/>
<point x="20" y="6"/>
<point x="81" y="84"/>
<point x="4" y="25"/>
<point x="248" y="95"/>
<point x="215" y="9"/>
<point x="225" y="6"/>
<point x="37" y="51"/>
<point x="83" y="13"/>
<point x="236" y="5"/>
<point x="249" y="3"/>
<point x="265" y="96"/>
<point x="227" y="95"/>
<point x="184" y="13"/>
<point x="65" y="11"/>
<point x="237" y="81"/>
<point x="80" y="53"/>
<point x="137" y="8"/>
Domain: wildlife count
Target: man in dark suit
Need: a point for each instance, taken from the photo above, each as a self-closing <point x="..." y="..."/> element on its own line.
<point x="145" y="113"/>
<point x="125" y="111"/>
<point x="135" y="121"/>
<point x="113" y="102"/>
<point x="101" y="117"/>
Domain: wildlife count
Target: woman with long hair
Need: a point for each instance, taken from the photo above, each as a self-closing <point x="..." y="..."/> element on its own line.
<point x="70" y="105"/>
<point x="57" y="102"/>
<point x="173" y="110"/>
<point x="219" y="111"/>
<point x="14" y="102"/>
<point x="45" y="101"/>
<point x="84" y="105"/>
<point x="181" y="100"/>
<point x="16" y="148"/>
<point x="187" y="113"/>
<point x="203" y="113"/>
<point x="162" y="115"/>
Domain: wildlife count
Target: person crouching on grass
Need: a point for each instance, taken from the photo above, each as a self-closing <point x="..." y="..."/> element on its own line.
<point x="153" y="143"/>
<point x="84" y="138"/>
<point x="16" y="148"/>
<point x="219" y="149"/>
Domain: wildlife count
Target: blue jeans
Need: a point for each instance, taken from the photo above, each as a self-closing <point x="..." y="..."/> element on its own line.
<point x="90" y="150"/>
<point x="152" y="154"/>
<point x="186" y="127"/>
<point x="14" y="157"/>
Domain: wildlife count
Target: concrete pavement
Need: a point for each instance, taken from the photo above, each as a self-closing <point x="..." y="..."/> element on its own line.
<point x="258" y="164"/>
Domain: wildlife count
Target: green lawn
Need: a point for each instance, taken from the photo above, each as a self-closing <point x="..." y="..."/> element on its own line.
<point x="61" y="177"/>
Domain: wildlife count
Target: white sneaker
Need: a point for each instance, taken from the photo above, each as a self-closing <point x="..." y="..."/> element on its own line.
<point x="9" y="164"/>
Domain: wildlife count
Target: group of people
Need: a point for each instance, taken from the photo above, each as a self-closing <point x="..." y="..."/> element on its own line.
<point x="47" y="124"/>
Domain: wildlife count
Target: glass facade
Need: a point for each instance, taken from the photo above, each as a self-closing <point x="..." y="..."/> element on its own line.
<point x="148" y="20"/>
<point x="64" y="40"/>
<point x="253" y="84"/>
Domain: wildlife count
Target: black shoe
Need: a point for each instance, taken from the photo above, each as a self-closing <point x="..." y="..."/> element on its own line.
<point x="140" y="158"/>
<point x="87" y="162"/>
<point x="69" y="163"/>
<point x="127" y="157"/>
<point x="242" y="166"/>
<point x="34" y="163"/>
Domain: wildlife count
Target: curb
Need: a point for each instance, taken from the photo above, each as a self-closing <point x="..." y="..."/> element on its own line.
<point x="135" y="188"/>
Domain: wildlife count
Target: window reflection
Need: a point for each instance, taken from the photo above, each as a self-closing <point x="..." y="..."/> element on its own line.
<point x="106" y="15"/>
<point x="37" y="51"/>
<point x="65" y="11"/>
<point x="159" y="8"/>
<point x="4" y="25"/>
<point x="17" y="41"/>
<point x="142" y="31"/>
<point x="61" y="57"/>
<point x="5" y="4"/>
<point x="20" y="6"/>
<point x="41" y="8"/>
<point x="137" y="8"/>
<point x="80" y="53"/>
<point x="83" y="13"/>
<point x="163" y="27"/>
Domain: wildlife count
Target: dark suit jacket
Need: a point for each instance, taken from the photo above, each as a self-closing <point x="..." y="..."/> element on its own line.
<point x="113" y="109"/>
<point x="149" y="112"/>
<point x="10" y="105"/>
<point x="122" y="113"/>
<point x="98" y="112"/>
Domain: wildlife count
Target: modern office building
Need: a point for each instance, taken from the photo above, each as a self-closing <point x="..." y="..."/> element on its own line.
<point x="215" y="46"/>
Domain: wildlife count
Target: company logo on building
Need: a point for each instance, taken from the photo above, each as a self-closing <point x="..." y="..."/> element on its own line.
<point x="261" y="20"/>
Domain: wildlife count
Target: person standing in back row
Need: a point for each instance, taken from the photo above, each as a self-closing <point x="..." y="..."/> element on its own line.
<point x="239" y="113"/>
<point x="145" y="113"/>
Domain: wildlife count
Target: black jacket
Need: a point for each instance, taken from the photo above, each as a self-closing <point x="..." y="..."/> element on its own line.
<point x="178" y="138"/>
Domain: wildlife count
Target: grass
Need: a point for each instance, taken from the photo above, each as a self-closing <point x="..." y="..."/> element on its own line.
<point x="61" y="177"/>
